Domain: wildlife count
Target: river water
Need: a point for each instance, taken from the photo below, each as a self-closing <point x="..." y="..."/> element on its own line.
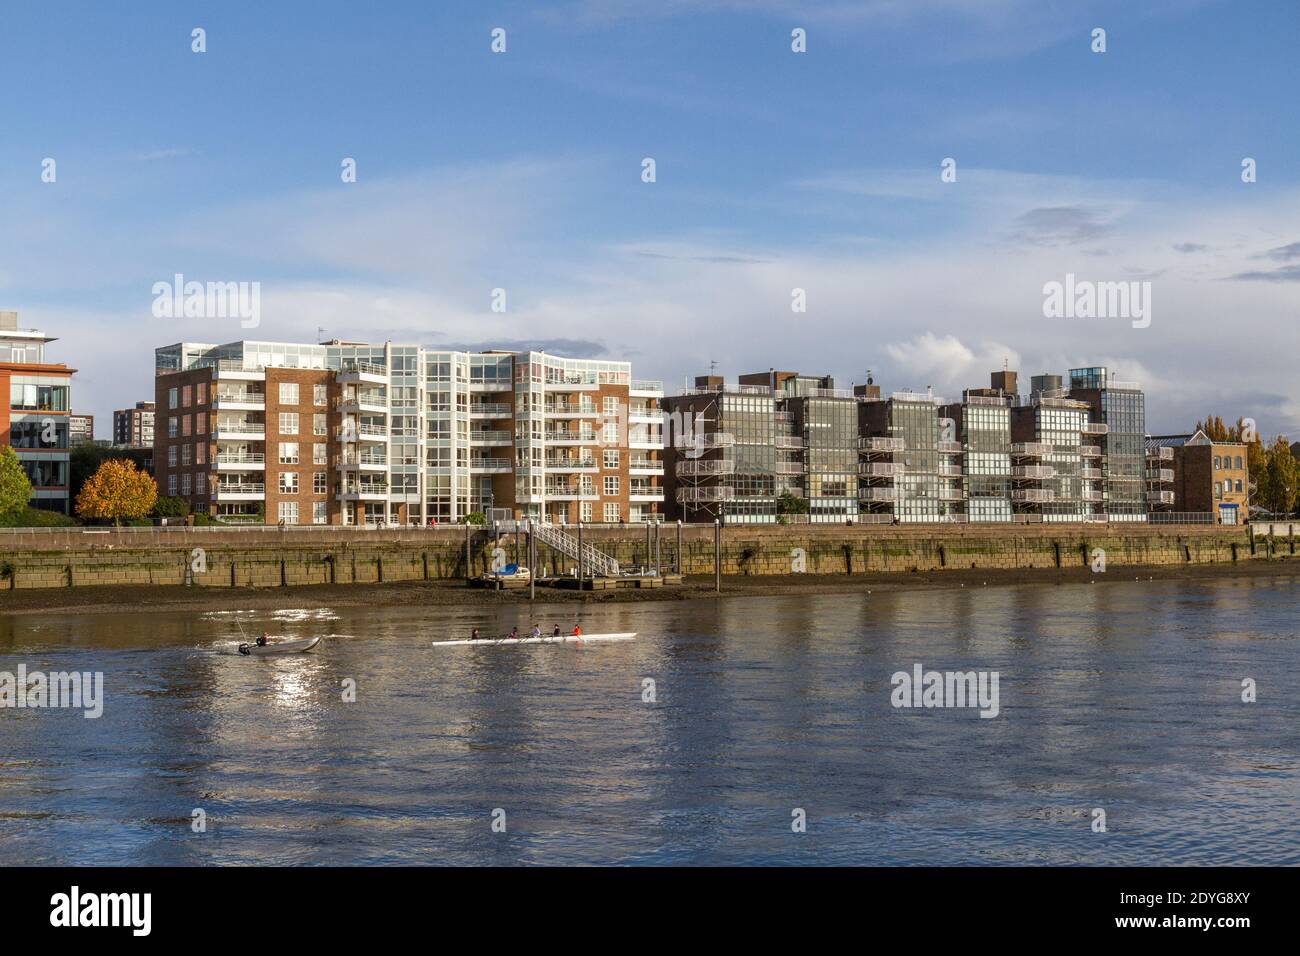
<point x="1121" y="696"/>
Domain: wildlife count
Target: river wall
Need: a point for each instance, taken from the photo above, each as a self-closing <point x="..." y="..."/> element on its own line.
<point x="218" y="557"/>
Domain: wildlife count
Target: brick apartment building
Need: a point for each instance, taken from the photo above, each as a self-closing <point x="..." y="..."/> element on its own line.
<point x="1208" y="476"/>
<point x="354" y="433"/>
<point x="133" y="427"/>
<point x="34" y="403"/>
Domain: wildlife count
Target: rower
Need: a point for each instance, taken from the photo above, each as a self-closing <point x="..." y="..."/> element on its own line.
<point x="537" y="631"/>
<point x="473" y="634"/>
<point x="514" y="633"/>
<point x="577" y="631"/>
<point x="556" y="632"/>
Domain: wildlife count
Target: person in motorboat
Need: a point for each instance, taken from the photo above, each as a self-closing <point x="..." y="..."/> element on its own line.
<point x="261" y="641"/>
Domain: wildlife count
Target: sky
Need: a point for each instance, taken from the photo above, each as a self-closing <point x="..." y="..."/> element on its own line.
<point x="774" y="171"/>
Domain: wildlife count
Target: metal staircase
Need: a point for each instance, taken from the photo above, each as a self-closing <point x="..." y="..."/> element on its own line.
<point x="597" y="563"/>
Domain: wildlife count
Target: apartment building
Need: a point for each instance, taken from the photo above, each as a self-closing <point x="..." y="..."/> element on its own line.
<point x="34" y="412"/>
<point x="1118" y="428"/>
<point x="81" y="430"/>
<point x="1206" y="475"/>
<point x="357" y="433"/>
<point x="133" y="427"/>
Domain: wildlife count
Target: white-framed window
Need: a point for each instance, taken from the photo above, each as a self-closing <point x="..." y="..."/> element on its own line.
<point x="611" y="458"/>
<point x="288" y="423"/>
<point x="318" y="394"/>
<point x="609" y="433"/>
<point x="172" y="396"/>
<point x="318" y="486"/>
<point x="288" y="393"/>
<point x="172" y="426"/>
<point x="318" y="426"/>
<point x="288" y="453"/>
<point x="584" y="511"/>
<point x="609" y="404"/>
<point x="611" y="485"/>
<point x="318" y="515"/>
<point x="171" y="485"/>
<point x="318" y="453"/>
<point x="611" y="512"/>
<point x="288" y="483"/>
<point x="171" y="456"/>
<point x="185" y="484"/>
<point x="288" y="512"/>
<point x="187" y="454"/>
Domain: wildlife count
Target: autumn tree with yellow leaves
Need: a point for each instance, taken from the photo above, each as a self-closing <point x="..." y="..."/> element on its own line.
<point x="117" y="490"/>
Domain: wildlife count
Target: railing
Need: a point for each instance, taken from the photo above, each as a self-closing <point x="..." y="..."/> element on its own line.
<point x="646" y="464"/>
<point x="881" y="444"/>
<point x="646" y="385"/>
<point x="788" y="441"/>
<point x="1089" y="451"/>
<point x="707" y="440"/>
<point x="1031" y="449"/>
<point x="1160" y="475"/>
<point x="949" y="447"/>
<point x="916" y="397"/>
<point x="1090" y="474"/>
<point x="1095" y="428"/>
<point x="789" y="468"/>
<point x="709" y="493"/>
<point x="490" y="408"/>
<point x="239" y="428"/>
<point x="728" y="389"/>
<point x="1034" y="472"/>
<point x="878" y="494"/>
<point x="489" y="463"/>
<point x="496" y="437"/>
<point x="646" y="491"/>
<point x="1160" y="454"/>
<point x="368" y="368"/>
<point x="594" y="561"/>
<point x="240" y="488"/>
<point x="363" y="489"/>
<point x="1182" y="517"/>
<point x="694" y="468"/>
<point x="570" y="463"/>
<point x="247" y="397"/>
<point x="570" y="436"/>
<point x="882" y="469"/>
<point x="247" y="459"/>
<point x="1033" y="495"/>
<point x="569" y="408"/>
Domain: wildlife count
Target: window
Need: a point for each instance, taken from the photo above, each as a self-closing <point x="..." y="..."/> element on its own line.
<point x="609" y="433"/>
<point x="171" y="485"/>
<point x="187" y="454"/>
<point x="1216" y="463"/>
<point x="185" y="424"/>
<point x="318" y="486"/>
<point x="185" y="484"/>
<point x="318" y="424"/>
<point x="171" y="427"/>
<point x="611" y="512"/>
<point x="201" y="393"/>
<point x="1239" y="485"/>
<point x="288" y="393"/>
<point x="171" y="456"/>
<point x="187" y="395"/>
<point x="611" y="458"/>
<point x="201" y="423"/>
<point x="288" y="453"/>
<point x="200" y="453"/>
<point x="288" y="423"/>
<point x="611" y="485"/>
<point x="584" y="511"/>
<point x="171" y="397"/>
<point x="288" y="482"/>
<point x="288" y="512"/>
<point x="318" y="515"/>
<point x="609" y="404"/>
<point x="318" y="453"/>
<point x="318" y="394"/>
<point x="1238" y="467"/>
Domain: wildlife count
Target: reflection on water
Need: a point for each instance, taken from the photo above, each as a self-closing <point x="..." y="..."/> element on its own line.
<point x="1125" y="696"/>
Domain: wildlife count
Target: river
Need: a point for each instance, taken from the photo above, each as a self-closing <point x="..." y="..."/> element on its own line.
<point x="1124" y="696"/>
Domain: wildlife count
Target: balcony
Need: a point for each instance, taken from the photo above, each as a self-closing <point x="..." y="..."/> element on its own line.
<point x="490" y="438"/>
<point x="1161" y="497"/>
<point x="1160" y="454"/>
<point x="368" y="404"/>
<point x="574" y="464"/>
<point x="950" y="494"/>
<point x="230" y="371"/>
<point x="238" y="462"/>
<point x="361" y="433"/>
<point x="882" y="469"/>
<point x="706" y="495"/>
<point x="573" y="383"/>
<point x="1033" y="472"/>
<point x="645" y="466"/>
<point x="234" y="400"/>
<point x="646" y="388"/>
<point x="361" y="462"/>
<point x="1160" y="475"/>
<point x="359" y="372"/>
<point x="571" y="493"/>
<point x="697" y="469"/>
<point x="571" y="410"/>
<point x="950" y="471"/>
<point x="1031" y="449"/>
<point x="1089" y="451"/>
<point x="491" y="466"/>
<point x="788" y="441"/>
<point x="240" y="491"/>
<point x="642" y="493"/>
<point x="645" y="416"/>
<point x="878" y="494"/>
<point x="1033" y="495"/>
<point x="706" y="441"/>
<point x="578" y="437"/>
<point x="877" y="444"/>
<point x="1095" y="428"/>
<point x="491" y="410"/>
<point x="239" y="431"/>
<point x="363" y="491"/>
<point x="1090" y="494"/>
<point x="789" y="468"/>
<point x="1090" y="474"/>
<point x="949" y="447"/>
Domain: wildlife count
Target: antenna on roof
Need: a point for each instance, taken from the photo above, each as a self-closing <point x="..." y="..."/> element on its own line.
<point x="320" y="335"/>
<point x="713" y="367"/>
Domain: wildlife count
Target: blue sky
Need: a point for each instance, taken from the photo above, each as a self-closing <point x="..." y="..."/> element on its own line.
<point x="775" y="170"/>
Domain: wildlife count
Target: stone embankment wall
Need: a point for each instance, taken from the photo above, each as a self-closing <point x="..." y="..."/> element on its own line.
<point x="204" y="557"/>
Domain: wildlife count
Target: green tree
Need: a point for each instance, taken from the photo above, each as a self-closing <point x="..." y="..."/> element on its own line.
<point x="790" y="504"/>
<point x="171" y="508"/>
<point x="15" y="488"/>
<point x="1281" y="492"/>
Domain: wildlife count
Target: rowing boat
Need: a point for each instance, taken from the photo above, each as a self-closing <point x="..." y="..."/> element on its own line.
<point x="279" y="647"/>
<point x="544" y="639"/>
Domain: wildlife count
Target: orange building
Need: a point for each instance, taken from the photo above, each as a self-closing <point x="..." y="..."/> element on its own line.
<point x="34" y="401"/>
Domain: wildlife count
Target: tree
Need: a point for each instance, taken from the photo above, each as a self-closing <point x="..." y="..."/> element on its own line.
<point x="171" y="508"/>
<point x="1280" y="484"/>
<point x="791" y="504"/>
<point x="15" y="488"/>
<point x="117" y="490"/>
